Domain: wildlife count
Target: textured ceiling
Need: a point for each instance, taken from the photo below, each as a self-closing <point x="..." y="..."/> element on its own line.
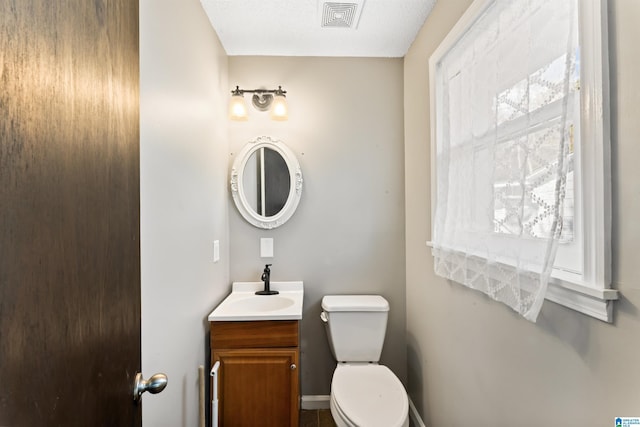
<point x="380" y="28"/>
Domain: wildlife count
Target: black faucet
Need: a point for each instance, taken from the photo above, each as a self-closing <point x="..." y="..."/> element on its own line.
<point x="266" y="277"/>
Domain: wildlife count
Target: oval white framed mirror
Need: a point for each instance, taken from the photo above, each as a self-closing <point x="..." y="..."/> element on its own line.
<point x="266" y="182"/>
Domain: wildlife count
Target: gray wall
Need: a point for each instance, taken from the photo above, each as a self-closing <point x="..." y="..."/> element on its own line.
<point x="183" y="155"/>
<point x="346" y="128"/>
<point x="472" y="361"/>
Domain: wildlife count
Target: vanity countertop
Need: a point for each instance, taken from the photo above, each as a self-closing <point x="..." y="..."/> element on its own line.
<point x="243" y="304"/>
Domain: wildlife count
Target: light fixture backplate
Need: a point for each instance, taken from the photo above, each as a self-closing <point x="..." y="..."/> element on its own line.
<point x="262" y="101"/>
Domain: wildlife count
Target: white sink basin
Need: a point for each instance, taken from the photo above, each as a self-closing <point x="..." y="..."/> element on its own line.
<point x="244" y="304"/>
<point x="260" y="303"/>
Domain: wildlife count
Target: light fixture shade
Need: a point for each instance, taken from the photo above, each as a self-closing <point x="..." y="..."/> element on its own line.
<point x="238" y="108"/>
<point x="279" y="110"/>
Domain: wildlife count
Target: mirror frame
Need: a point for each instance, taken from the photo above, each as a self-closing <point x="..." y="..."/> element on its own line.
<point x="237" y="184"/>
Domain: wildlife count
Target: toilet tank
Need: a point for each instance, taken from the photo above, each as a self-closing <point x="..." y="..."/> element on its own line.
<point x="355" y="325"/>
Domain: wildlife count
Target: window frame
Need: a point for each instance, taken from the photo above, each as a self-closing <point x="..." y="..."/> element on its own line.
<point x="591" y="293"/>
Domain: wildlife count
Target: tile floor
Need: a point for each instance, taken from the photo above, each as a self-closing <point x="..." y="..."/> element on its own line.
<point x="316" y="418"/>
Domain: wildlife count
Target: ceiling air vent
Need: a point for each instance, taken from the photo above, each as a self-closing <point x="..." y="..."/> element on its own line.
<point x="341" y="15"/>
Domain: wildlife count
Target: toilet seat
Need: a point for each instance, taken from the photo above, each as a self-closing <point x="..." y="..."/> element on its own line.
<point x="369" y="395"/>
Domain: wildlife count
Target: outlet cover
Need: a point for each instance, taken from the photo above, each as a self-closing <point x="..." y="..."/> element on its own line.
<point x="266" y="247"/>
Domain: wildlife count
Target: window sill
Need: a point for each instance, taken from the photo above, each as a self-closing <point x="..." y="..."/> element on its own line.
<point x="594" y="302"/>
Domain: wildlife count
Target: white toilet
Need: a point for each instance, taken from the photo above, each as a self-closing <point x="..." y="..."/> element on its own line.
<point x="363" y="393"/>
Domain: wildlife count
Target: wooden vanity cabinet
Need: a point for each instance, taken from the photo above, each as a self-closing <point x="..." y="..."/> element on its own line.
<point x="258" y="378"/>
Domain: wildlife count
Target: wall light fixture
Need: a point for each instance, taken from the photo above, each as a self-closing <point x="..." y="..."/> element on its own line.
<point x="262" y="99"/>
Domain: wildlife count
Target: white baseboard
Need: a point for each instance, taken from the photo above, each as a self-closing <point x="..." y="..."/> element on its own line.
<point x="414" y="416"/>
<point x="315" y="402"/>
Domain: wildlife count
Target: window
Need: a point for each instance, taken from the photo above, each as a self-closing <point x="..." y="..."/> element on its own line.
<point x="520" y="154"/>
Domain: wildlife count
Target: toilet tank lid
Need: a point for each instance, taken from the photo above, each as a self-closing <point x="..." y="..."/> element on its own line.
<point x="354" y="303"/>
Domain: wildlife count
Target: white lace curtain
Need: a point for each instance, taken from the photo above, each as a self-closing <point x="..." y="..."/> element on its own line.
<point x="507" y="107"/>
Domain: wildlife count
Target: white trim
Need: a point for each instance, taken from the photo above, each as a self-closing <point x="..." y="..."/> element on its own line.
<point x="315" y="401"/>
<point x="594" y="302"/>
<point x="595" y="142"/>
<point x="414" y="415"/>
<point x="582" y="299"/>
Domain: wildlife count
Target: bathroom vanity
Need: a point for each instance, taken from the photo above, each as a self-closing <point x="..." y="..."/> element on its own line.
<point x="256" y="340"/>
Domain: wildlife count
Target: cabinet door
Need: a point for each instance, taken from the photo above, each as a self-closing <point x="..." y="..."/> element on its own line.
<point x="258" y="387"/>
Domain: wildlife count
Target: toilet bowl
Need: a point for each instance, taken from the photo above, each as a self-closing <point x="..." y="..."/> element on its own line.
<point x="363" y="392"/>
<point x="368" y="395"/>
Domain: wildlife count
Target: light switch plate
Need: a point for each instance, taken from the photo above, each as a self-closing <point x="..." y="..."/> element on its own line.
<point x="216" y="250"/>
<point x="266" y="247"/>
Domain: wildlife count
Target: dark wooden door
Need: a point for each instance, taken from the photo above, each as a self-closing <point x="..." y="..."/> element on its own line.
<point x="69" y="213"/>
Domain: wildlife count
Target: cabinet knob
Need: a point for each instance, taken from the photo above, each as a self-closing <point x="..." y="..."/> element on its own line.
<point x="293" y="366"/>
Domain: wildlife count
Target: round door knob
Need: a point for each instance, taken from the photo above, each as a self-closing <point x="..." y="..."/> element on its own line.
<point x="293" y="366"/>
<point x="153" y="385"/>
